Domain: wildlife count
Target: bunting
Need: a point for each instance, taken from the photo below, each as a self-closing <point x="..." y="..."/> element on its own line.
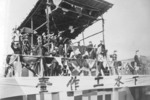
<point x="91" y="62"/>
<point x="76" y="66"/>
<point x="59" y="60"/>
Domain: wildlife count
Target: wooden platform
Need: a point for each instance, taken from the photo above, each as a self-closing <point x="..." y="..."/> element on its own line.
<point x="17" y="86"/>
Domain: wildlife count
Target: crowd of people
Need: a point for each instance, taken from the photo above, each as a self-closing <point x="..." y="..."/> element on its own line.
<point x="56" y="46"/>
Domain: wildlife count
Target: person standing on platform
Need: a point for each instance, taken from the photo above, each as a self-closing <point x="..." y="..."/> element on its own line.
<point x="136" y="58"/>
<point x="69" y="48"/>
<point x="61" y="47"/>
<point x="103" y="51"/>
<point x="90" y="44"/>
<point x="115" y="63"/>
<point x="136" y="61"/>
<point x="100" y="59"/>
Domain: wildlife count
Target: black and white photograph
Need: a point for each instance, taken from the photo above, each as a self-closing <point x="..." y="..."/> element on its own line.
<point x="74" y="50"/>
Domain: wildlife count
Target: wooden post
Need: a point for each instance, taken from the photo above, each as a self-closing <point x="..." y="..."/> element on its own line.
<point x="32" y="36"/>
<point x="103" y="30"/>
<point x="89" y="36"/>
<point x="65" y="50"/>
<point x="83" y="38"/>
<point x="42" y="96"/>
<point x="43" y="82"/>
<point x="32" y="23"/>
<point x="48" y="11"/>
<point x="97" y="72"/>
<point x="41" y="67"/>
<point x="18" y="70"/>
<point x="115" y="94"/>
<point x="47" y="16"/>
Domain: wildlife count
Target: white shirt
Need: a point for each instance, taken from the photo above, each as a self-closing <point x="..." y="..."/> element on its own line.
<point x="99" y="50"/>
<point x="100" y="57"/>
<point x="74" y="53"/>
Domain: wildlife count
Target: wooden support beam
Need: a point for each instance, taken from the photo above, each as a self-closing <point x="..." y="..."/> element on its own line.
<point x="103" y="29"/>
<point x="32" y="36"/>
<point x="40" y="26"/>
<point x="88" y="37"/>
<point x="83" y="38"/>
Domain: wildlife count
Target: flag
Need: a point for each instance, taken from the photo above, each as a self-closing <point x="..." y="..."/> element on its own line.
<point x="59" y="60"/>
<point x="73" y="67"/>
<point x="90" y="62"/>
<point x="76" y="69"/>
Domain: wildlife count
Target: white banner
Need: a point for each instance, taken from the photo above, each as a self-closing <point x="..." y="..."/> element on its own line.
<point x="23" y="86"/>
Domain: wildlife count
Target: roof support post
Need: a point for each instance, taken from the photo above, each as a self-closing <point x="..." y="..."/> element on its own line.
<point x="32" y="36"/>
<point x="32" y="23"/>
<point x="48" y="11"/>
<point x="40" y="26"/>
<point x="103" y="22"/>
<point x="89" y="36"/>
<point x="47" y="16"/>
<point x="83" y="38"/>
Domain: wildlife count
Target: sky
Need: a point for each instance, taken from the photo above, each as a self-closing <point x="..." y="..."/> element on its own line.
<point x="127" y="26"/>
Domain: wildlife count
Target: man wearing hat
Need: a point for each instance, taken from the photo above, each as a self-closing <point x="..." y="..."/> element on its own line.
<point x="114" y="56"/>
<point x="100" y="58"/>
<point x="136" y="58"/>
<point x="90" y="44"/>
<point x="101" y="47"/>
<point x="115" y="63"/>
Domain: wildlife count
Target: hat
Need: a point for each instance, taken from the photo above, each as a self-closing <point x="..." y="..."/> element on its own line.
<point x="101" y="41"/>
<point x="90" y="41"/>
<point x="137" y="51"/>
<point x="115" y="50"/>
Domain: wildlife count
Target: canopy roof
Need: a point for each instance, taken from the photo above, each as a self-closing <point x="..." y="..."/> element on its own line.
<point x="68" y="17"/>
